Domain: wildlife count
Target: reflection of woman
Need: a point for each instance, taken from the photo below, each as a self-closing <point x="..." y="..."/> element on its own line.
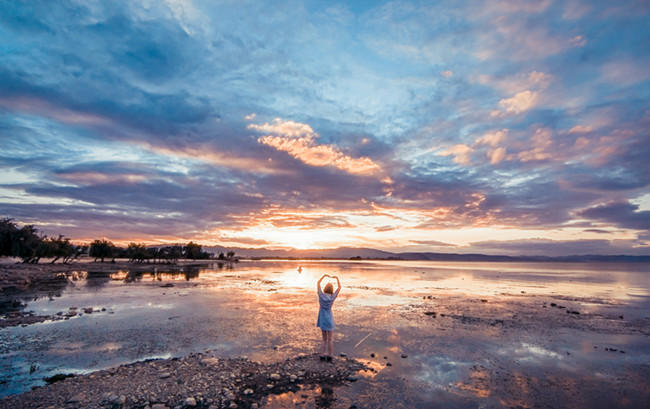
<point x="325" y="320"/>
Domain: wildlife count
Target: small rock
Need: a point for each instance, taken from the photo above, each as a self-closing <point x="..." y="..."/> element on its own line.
<point x="248" y="391"/>
<point x="269" y="386"/>
<point x="343" y="354"/>
<point x="159" y="406"/>
<point x="389" y="364"/>
<point x="352" y="378"/>
<point x="233" y="406"/>
<point x="293" y="378"/>
<point x="372" y="355"/>
<point x="88" y="310"/>
<point x="275" y="376"/>
<point x="404" y="356"/>
<point x="191" y="402"/>
<point x="164" y="375"/>
<point x="77" y="398"/>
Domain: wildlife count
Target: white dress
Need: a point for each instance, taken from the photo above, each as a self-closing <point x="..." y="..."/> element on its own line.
<point x="325" y="319"/>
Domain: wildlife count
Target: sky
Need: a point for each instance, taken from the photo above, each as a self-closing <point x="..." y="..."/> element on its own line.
<point x="498" y="126"/>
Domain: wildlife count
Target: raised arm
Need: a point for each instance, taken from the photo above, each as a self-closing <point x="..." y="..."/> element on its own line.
<point x="319" y="281"/>
<point x="338" y="283"/>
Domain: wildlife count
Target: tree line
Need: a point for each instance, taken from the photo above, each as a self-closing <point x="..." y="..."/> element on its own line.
<point x="27" y="244"/>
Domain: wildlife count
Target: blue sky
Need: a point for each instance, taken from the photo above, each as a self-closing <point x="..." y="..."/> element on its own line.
<point x="504" y="127"/>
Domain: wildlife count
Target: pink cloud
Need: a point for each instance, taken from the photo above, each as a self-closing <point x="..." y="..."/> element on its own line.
<point x="581" y="129"/>
<point x="520" y="102"/>
<point x="461" y="153"/>
<point x="299" y="141"/>
<point x="496" y="155"/>
<point x="494" y="138"/>
<point x="541" y="141"/>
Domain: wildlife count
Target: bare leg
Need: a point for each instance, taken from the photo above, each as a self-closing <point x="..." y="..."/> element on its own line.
<point x="330" y="343"/>
<point x="323" y="347"/>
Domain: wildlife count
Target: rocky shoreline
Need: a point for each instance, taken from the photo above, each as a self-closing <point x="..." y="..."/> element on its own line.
<point x="197" y="381"/>
<point x="18" y="278"/>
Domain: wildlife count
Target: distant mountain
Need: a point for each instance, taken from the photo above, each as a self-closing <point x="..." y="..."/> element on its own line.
<point x="367" y="253"/>
<point x="339" y="253"/>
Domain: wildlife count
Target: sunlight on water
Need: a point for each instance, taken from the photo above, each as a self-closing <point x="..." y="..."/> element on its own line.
<point x="441" y="326"/>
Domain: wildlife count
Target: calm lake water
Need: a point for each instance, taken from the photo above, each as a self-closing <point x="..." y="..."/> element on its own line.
<point x="266" y="310"/>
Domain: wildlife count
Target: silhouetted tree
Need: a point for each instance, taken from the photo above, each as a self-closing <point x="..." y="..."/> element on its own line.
<point x="61" y="248"/>
<point x="138" y="252"/>
<point x="195" y="252"/>
<point x="100" y="249"/>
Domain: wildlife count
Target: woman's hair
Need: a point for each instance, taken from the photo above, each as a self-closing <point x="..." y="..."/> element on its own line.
<point x="329" y="288"/>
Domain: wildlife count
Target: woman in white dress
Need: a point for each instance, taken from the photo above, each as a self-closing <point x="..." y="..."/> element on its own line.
<point x="325" y="320"/>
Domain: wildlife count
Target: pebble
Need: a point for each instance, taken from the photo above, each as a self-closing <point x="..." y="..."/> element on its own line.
<point x="77" y="398"/>
<point x="208" y="387"/>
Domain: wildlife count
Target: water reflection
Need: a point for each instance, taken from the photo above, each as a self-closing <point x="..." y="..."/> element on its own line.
<point x="319" y="397"/>
<point x="267" y="311"/>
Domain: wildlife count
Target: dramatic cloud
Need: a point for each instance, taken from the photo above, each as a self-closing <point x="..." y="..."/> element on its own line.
<point x="500" y="126"/>
<point x="299" y="140"/>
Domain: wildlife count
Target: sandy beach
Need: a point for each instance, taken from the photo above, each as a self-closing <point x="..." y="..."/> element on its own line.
<point x="208" y="336"/>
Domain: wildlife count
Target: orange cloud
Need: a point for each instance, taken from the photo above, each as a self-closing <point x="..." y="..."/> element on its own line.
<point x="211" y="156"/>
<point x="299" y="141"/>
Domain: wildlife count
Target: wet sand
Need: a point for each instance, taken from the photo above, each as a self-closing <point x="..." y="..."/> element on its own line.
<point x="454" y="337"/>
